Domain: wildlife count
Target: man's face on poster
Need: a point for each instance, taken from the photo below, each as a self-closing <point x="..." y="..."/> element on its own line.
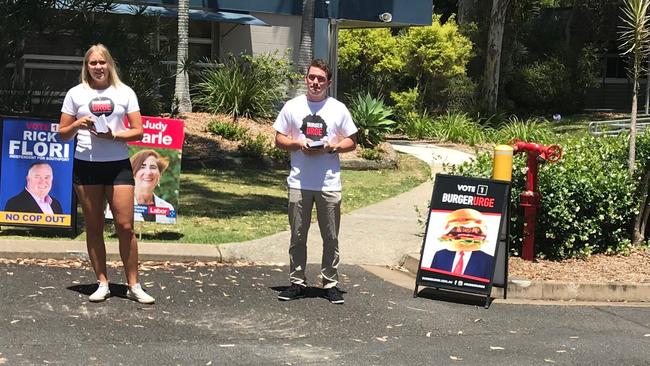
<point x="39" y="180"/>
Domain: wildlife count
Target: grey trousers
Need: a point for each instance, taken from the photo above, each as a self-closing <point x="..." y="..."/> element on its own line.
<point x="328" y="212"/>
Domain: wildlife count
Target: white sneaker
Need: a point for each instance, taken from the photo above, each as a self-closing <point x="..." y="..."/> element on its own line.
<point x="102" y="293"/>
<point x="136" y="293"/>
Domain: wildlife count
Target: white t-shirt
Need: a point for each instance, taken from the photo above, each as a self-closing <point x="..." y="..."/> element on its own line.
<point x="328" y="120"/>
<point x="114" y="103"/>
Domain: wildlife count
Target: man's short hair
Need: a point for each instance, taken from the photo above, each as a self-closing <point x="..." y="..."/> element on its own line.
<point x="33" y="165"/>
<point x="321" y="64"/>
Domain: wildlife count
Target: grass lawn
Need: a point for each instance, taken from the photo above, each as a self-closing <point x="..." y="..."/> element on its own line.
<point x="222" y="206"/>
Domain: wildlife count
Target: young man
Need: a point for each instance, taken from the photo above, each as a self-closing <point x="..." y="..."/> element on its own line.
<point x="315" y="128"/>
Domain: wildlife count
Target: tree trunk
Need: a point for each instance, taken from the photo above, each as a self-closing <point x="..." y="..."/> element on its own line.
<point x="632" y="157"/>
<point x="493" y="54"/>
<point x="182" y="86"/>
<point x="638" y="234"/>
<point x="305" y="51"/>
<point x="466" y="11"/>
<point x="568" y="25"/>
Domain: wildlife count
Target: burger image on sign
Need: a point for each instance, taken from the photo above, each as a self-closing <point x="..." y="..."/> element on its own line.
<point x="464" y="233"/>
<point x="464" y="230"/>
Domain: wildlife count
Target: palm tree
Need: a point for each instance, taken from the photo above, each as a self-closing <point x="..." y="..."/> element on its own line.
<point x="635" y="43"/>
<point x="182" y="86"/>
<point x="305" y="51"/>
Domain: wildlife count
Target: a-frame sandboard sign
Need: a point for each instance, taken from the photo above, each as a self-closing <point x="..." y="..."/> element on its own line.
<point x="465" y="245"/>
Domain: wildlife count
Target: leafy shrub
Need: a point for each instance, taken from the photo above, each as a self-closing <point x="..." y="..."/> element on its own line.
<point x="254" y="147"/>
<point x="248" y="86"/>
<point x="405" y="102"/>
<point x="381" y="62"/>
<point x="372" y="119"/>
<point x="433" y="56"/>
<point x="460" y="94"/>
<point x="542" y="86"/>
<point x="28" y="98"/>
<point x="277" y="155"/>
<point x="372" y="154"/>
<point x="417" y="125"/>
<point x="368" y="60"/>
<point x="533" y="130"/>
<point x="588" y="68"/>
<point x="227" y="130"/>
<point x="588" y="199"/>
<point x="458" y="127"/>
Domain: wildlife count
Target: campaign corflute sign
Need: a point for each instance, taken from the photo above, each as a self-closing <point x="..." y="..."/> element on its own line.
<point x="156" y="163"/>
<point x="36" y="174"/>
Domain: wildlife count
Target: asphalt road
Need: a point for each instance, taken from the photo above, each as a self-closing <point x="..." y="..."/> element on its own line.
<point x="230" y="316"/>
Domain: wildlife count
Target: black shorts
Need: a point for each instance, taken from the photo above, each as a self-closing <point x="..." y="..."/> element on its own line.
<point x="107" y="173"/>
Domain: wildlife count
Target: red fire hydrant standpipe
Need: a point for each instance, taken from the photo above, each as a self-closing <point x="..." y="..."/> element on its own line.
<point x="530" y="199"/>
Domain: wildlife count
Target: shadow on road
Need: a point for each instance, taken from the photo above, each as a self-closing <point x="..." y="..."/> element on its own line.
<point x="310" y="292"/>
<point x="117" y="290"/>
<point x="451" y="296"/>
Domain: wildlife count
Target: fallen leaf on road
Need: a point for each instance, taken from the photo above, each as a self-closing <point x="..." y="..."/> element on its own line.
<point x="416" y="309"/>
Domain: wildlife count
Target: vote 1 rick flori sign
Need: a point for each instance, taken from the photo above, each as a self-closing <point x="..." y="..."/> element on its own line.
<point x="36" y="174"/>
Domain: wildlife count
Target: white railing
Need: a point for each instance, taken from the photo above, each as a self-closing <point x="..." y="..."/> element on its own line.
<point x="616" y="126"/>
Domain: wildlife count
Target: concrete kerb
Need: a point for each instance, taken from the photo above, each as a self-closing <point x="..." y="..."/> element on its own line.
<point x="56" y="249"/>
<point x="557" y="290"/>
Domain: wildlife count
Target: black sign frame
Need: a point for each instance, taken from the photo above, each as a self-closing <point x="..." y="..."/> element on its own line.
<point x="458" y="204"/>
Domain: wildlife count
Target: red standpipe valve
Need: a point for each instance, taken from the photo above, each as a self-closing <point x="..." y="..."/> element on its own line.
<point x="530" y="199"/>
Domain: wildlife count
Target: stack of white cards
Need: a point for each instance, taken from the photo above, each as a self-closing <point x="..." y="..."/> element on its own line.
<point x="101" y="125"/>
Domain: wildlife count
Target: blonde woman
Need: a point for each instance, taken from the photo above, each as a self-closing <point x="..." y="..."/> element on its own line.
<point x="93" y="112"/>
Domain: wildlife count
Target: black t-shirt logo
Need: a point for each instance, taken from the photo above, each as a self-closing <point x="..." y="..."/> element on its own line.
<point x="314" y="127"/>
<point x="101" y="105"/>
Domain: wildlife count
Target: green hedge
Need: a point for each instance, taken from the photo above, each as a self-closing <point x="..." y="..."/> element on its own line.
<point x="589" y="201"/>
